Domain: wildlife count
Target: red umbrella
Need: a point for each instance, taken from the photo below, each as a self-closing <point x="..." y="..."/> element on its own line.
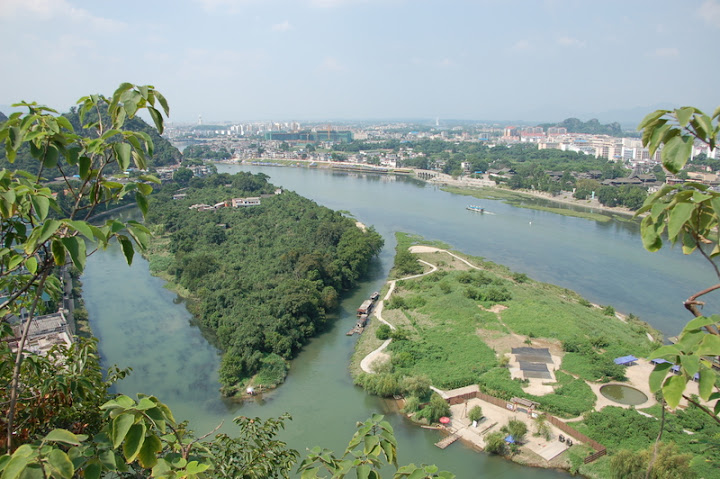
<point x="444" y="420"/>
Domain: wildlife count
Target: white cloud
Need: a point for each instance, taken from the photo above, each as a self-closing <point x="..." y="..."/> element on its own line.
<point x="446" y="63"/>
<point x="710" y="12"/>
<point x="56" y="10"/>
<point x="666" y="52"/>
<point x="570" y="42"/>
<point x="331" y="64"/>
<point x="521" y="45"/>
<point x="282" y="27"/>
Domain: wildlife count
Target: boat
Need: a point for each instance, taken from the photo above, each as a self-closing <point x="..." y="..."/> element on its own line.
<point x="375" y="296"/>
<point x="479" y="209"/>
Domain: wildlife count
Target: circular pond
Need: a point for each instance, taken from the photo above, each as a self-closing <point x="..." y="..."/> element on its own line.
<point x="622" y="394"/>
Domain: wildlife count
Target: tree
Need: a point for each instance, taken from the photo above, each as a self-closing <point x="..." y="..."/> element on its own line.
<point x="475" y="414"/>
<point x="182" y="176"/>
<point x="35" y="243"/>
<point x="516" y="428"/>
<point x="495" y="443"/>
<point x="116" y="436"/>
<point x="688" y="214"/>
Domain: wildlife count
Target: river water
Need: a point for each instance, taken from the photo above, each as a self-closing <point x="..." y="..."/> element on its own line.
<point x="144" y="326"/>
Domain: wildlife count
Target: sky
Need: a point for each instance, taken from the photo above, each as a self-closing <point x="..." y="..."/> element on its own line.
<point x="316" y="60"/>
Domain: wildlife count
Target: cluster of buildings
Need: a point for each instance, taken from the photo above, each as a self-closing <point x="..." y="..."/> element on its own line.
<point x="231" y="203"/>
<point x="47" y="331"/>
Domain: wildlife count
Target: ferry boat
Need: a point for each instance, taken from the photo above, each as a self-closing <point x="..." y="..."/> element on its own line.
<point x="479" y="209"/>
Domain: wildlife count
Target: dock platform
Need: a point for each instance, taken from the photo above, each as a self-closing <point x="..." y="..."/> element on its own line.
<point x="446" y="441"/>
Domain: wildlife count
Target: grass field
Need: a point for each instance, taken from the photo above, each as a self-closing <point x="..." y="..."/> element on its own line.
<point x="453" y="333"/>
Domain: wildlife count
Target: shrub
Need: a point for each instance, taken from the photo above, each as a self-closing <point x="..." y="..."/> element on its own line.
<point x="495" y="443"/>
<point x="475" y="414"/>
<point x="412" y="404"/>
<point x="516" y="428"/>
<point x="496" y="294"/>
<point x="435" y="409"/>
<point x="383" y="332"/>
<point x="396" y="302"/>
<point x="520" y="277"/>
<point x="609" y="311"/>
<point x="418" y="386"/>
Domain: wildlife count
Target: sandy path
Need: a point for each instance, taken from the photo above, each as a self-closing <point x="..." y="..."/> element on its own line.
<point x="379" y="354"/>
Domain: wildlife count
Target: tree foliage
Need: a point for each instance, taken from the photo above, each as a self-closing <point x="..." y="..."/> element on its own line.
<point x="263" y="278"/>
<point x="687" y="214"/>
<point x="59" y="419"/>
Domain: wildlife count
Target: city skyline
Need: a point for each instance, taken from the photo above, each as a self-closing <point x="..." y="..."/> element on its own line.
<point x="315" y="60"/>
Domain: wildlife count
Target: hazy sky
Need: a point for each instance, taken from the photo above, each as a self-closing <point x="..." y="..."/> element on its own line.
<point x="367" y="59"/>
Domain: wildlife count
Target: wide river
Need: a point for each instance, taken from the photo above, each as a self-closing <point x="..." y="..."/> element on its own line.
<point x="143" y="325"/>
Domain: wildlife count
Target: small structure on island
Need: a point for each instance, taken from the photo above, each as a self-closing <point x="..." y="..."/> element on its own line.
<point x="526" y="403"/>
<point x="626" y="360"/>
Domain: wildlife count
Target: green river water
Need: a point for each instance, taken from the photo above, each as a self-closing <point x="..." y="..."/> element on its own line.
<point x="144" y="326"/>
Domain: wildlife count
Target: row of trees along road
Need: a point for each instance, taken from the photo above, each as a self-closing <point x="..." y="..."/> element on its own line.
<point x="263" y="277"/>
<point x="59" y="420"/>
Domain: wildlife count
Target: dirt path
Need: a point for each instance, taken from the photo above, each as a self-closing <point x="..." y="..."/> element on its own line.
<point x="379" y="354"/>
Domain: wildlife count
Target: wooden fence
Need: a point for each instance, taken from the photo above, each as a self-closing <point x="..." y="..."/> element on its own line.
<point x="564" y="427"/>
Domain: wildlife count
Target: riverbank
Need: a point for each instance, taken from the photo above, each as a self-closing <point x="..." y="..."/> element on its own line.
<point x="482" y="188"/>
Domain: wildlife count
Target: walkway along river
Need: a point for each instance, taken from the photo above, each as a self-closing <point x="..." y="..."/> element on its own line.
<point x="140" y="324"/>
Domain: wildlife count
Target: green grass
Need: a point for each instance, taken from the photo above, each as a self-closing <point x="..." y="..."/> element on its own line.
<point x="444" y="312"/>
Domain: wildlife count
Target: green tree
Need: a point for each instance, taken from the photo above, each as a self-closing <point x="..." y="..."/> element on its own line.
<point x="475" y="414"/>
<point x="495" y="443"/>
<point x="182" y="176"/>
<point x="120" y="436"/>
<point x="688" y="214"/>
<point x="516" y="428"/>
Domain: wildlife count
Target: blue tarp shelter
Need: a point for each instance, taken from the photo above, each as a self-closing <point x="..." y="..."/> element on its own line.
<point x="626" y="360"/>
<point x="509" y="439"/>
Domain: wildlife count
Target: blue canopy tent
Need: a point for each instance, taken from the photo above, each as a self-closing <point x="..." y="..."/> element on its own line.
<point x="626" y="360"/>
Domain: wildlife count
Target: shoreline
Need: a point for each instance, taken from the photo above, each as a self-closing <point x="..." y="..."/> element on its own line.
<point x="441" y="179"/>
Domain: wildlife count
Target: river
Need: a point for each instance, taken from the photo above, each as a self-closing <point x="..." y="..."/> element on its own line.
<point x="144" y="326"/>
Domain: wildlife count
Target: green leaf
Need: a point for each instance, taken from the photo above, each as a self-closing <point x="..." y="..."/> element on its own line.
<point x="683" y="115"/>
<point x="650" y="237"/>
<point x="31" y="264"/>
<point x="657" y="376"/>
<point x="84" y="167"/>
<point x="148" y="452"/>
<point x="651" y="117"/>
<point x="127" y="248"/>
<point x="41" y="205"/>
<point x="120" y="427"/>
<point x="673" y="389"/>
<point x="700" y="322"/>
<point x="76" y="248"/>
<point x="51" y="157"/>
<point x="194" y="467"/>
<point x="676" y="153"/>
<point x="60" y="464"/>
<point x="145" y="403"/>
<point x="81" y="227"/>
<point x="142" y="202"/>
<point x="92" y="470"/>
<point x="64" y="436"/>
<point x="133" y="441"/>
<point x="679" y="215"/>
<point x="690" y="364"/>
<point x="709" y="346"/>
<point x="122" y="153"/>
<point x="157" y="119"/>
<point x="706" y="383"/>
<point x="58" y="252"/>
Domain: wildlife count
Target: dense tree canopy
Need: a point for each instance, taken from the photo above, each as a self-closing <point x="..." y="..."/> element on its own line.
<point x="264" y="276"/>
